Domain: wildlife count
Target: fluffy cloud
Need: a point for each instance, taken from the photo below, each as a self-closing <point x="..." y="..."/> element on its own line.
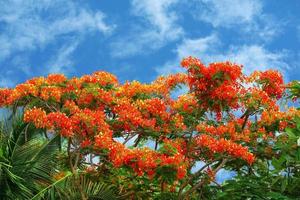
<point x="194" y="47"/>
<point x="160" y="23"/>
<point x="246" y="17"/>
<point x="61" y="62"/>
<point x="189" y="47"/>
<point x="159" y="14"/>
<point x="209" y="49"/>
<point x="28" y="25"/>
<point x="256" y="57"/>
<point x="159" y="27"/>
<point x="229" y="12"/>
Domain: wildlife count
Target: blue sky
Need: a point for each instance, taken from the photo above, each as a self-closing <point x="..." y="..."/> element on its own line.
<point x="140" y="39"/>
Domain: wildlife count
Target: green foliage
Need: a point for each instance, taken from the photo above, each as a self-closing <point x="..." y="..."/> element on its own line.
<point x="166" y="196"/>
<point x="25" y="166"/>
<point x="38" y="167"/>
<point x="294" y="89"/>
<point x="29" y="162"/>
<point x="275" y="179"/>
<point x="75" y="186"/>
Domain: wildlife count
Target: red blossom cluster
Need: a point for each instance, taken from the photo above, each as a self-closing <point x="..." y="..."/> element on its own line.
<point x="141" y="160"/>
<point x="186" y="103"/>
<point x="216" y="86"/>
<point x="100" y="78"/>
<point x="129" y="116"/>
<point x="91" y="108"/>
<point x="257" y="98"/>
<point x="95" y="109"/>
<point x="225" y="146"/>
<point x="283" y="119"/>
<point x="231" y="130"/>
<point x="271" y="82"/>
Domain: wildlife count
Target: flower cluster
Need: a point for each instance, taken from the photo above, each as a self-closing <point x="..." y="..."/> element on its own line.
<point x="162" y="86"/>
<point x="142" y="160"/>
<point x="37" y="116"/>
<point x="185" y="103"/>
<point x="256" y="98"/>
<point x="101" y="78"/>
<point x="4" y="96"/>
<point x="231" y="130"/>
<point x="51" y="92"/>
<point x="94" y="110"/>
<point x="271" y="82"/>
<point x="225" y="146"/>
<point x="283" y="119"/>
<point x="55" y="79"/>
<point x="129" y="116"/>
<point x="216" y="86"/>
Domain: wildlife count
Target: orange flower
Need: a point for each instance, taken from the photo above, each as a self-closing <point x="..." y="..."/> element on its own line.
<point x="21" y="91"/>
<point x="37" y="116"/>
<point x="271" y="82"/>
<point x="55" y="79"/>
<point x="102" y="78"/>
<point x="225" y="146"/>
<point x="96" y="109"/>
<point x="4" y="96"/>
<point x="216" y="86"/>
<point x="52" y="92"/>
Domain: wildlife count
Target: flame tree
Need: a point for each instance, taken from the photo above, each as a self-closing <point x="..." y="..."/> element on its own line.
<point x="225" y="119"/>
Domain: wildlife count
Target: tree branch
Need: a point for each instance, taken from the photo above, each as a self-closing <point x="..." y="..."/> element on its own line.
<point x="196" y="174"/>
<point x="199" y="184"/>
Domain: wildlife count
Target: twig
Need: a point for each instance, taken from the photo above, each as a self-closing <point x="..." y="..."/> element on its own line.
<point x="129" y="138"/>
<point x="156" y="144"/>
<point x="137" y="141"/>
<point x="196" y="174"/>
<point x="195" y="187"/>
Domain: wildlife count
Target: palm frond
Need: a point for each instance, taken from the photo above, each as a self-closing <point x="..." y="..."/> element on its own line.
<point x="80" y="186"/>
<point x="25" y="166"/>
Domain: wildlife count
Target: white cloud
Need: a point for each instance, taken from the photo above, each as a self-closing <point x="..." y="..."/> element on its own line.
<point x="192" y="47"/>
<point x="159" y="14"/>
<point x="229" y="12"/>
<point x="137" y="43"/>
<point x="246" y="17"/>
<point x="29" y="25"/>
<point x="160" y="27"/>
<point x="83" y="21"/>
<point x="256" y="57"/>
<point x="208" y="49"/>
<point x="189" y="47"/>
<point x="62" y="61"/>
<point x="243" y="17"/>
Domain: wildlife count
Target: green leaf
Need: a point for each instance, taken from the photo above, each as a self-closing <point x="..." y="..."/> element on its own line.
<point x="275" y="180"/>
<point x="284" y="184"/>
<point x="277" y="163"/>
<point x="40" y="193"/>
<point x="290" y="133"/>
<point x="218" y="75"/>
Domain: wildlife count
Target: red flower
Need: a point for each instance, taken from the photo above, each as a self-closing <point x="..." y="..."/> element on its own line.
<point x="55" y="79"/>
<point x="37" y="116"/>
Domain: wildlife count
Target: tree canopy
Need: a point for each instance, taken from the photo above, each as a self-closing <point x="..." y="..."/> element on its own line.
<point x="147" y="142"/>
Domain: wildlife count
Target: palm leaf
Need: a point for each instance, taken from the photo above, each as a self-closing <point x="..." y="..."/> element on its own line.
<point x="25" y="167"/>
<point x="80" y="186"/>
